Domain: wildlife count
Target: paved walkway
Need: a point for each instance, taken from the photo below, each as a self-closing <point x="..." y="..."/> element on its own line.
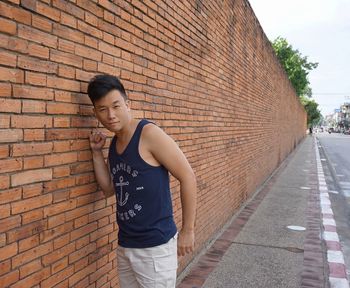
<point x="258" y="250"/>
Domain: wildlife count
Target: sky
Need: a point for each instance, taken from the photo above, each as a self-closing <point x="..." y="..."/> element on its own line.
<point x="320" y="30"/>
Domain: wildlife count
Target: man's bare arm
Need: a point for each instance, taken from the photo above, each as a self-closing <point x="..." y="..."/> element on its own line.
<point x="166" y="151"/>
<point x="103" y="176"/>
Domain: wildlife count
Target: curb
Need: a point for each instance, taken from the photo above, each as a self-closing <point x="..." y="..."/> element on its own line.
<point x="335" y="258"/>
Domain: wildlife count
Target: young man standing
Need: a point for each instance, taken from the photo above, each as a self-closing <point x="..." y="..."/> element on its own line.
<point x="140" y="157"/>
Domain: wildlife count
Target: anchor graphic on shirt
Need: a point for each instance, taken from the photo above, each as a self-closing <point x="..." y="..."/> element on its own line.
<point x="122" y="197"/>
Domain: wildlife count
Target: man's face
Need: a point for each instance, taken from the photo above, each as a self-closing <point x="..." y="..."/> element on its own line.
<point x="113" y="111"/>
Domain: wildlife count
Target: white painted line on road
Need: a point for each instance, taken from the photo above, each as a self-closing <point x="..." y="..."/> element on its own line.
<point x="325" y="201"/>
<point x="335" y="256"/>
<point x="330" y="236"/>
<point x="346" y="193"/>
<point x="324" y="197"/>
<point x="326" y="210"/>
<point x="338" y="282"/>
<point x="344" y="184"/>
<point x="330" y="222"/>
<point x="333" y="192"/>
<point x="305" y="188"/>
<point x="340" y="175"/>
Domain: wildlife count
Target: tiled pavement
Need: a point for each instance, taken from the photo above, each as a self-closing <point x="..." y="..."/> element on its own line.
<point x="257" y="250"/>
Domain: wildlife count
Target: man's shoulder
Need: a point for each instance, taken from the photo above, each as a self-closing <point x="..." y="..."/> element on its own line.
<point x="152" y="134"/>
<point x="151" y="128"/>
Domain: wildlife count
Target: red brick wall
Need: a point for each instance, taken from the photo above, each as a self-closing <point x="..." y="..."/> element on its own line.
<point x="203" y="70"/>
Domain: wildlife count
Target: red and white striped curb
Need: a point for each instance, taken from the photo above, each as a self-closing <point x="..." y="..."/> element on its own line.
<point x="335" y="258"/>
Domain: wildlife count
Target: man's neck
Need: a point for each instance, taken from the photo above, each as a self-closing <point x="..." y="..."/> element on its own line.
<point x="126" y="133"/>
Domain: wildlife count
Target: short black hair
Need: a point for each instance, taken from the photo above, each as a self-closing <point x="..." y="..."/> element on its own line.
<point x="100" y="85"/>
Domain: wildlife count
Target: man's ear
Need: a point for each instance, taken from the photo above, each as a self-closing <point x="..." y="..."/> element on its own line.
<point x="128" y="104"/>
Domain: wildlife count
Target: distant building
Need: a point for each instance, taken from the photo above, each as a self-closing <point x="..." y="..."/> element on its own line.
<point x="333" y="120"/>
<point x="344" y="116"/>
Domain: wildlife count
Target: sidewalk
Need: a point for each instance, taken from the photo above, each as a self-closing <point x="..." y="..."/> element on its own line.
<point x="258" y="250"/>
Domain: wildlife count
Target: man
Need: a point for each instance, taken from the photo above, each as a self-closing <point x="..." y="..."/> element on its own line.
<point x="140" y="156"/>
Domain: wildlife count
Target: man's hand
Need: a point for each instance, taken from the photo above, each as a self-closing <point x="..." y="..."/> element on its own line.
<point x="185" y="242"/>
<point x="102" y="173"/>
<point x="97" y="141"/>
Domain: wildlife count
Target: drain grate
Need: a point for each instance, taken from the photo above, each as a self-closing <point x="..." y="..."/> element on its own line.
<point x="294" y="249"/>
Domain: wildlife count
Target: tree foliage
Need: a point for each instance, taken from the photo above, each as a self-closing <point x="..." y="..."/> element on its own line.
<point x="296" y="66"/>
<point x="313" y="113"/>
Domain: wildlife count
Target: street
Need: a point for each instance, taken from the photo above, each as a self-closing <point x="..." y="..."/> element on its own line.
<point x="335" y="157"/>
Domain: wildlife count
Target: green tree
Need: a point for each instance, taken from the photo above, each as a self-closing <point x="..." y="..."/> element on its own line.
<point x="314" y="115"/>
<point x="296" y="66"/>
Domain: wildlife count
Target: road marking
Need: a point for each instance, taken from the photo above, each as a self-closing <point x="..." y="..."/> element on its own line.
<point x="326" y="209"/>
<point x="346" y="193"/>
<point x="330" y="236"/>
<point x="344" y="184"/>
<point x="329" y="222"/>
<point x="335" y="257"/>
<point x="338" y="282"/>
<point x="325" y="202"/>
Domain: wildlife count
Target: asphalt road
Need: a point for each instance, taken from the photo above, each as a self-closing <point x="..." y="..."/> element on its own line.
<point x="335" y="157"/>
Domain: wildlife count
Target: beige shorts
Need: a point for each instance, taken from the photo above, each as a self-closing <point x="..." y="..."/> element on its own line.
<point x="153" y="267"/>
